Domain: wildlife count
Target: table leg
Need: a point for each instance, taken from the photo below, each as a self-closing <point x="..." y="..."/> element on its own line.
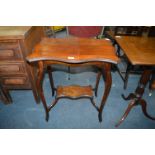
<point x="136" y="97"/>
<point x="128" y="69"/>
<point x="40" y="87"/>
<point x="108" y="81"/>
<point x="5" y="95"/>
<point x="49" y="70"/>
<point x="97" y="82"/>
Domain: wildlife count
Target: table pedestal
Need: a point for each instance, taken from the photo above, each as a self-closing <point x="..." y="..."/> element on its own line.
<point x="136" y="97"/>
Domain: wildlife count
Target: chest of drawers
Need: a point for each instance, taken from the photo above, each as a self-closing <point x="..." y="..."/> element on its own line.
<point x="16" y="42"/>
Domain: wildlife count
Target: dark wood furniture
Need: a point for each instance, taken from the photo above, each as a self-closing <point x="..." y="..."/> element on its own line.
<point x="151" y="31"/>
<point x="16" y="42"/>
<point x="139" y="51"/>
<point x="129" y="30"/>
<point x="152" y="83"/>
<point x="74" y="52"/>
<point x="5" y="95"/>
<point x="124" y="74"/>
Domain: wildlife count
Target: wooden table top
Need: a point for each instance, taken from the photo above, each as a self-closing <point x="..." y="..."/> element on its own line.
<point x="139" y="50"/>
<point x="14" y="32"/>
<point x="74" y="50"/>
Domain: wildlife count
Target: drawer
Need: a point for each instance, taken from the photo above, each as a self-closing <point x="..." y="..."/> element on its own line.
<point x="12" y="68"/>
<point x="10" y="51"/>
<point x="18" y="82"/>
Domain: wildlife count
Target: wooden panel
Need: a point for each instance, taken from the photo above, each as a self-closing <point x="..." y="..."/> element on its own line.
<point x="6" y="53"/>
<point x="7" y="68"/>
<point x="10" y="51"/>
<point x="12" y="68"/>
<point x="17" y="82"/>
<point x="14" y="32"/>
<point x="33" y="38"/>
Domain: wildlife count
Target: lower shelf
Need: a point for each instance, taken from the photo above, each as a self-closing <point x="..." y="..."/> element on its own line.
<point x="74" y="91"/>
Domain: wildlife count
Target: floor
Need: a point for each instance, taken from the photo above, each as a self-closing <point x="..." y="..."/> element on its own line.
<point x="77" y="114"/>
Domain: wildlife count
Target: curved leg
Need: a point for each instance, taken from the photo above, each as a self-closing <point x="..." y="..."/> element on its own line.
<point x="137" y="96"/>
<point x="49" y="70"/>
<point x="93" y="103"/>
<point x="131" y="96"/>
<point x="144" y="106"/>
<point x="108" y="81"/>
<point x="131" y="104"/>
<point x="97" y="83"/>
<point x="40" y="87"/>
<point x="53" y="104"/>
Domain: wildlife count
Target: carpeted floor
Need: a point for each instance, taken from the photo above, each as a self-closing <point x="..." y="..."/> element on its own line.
<point x="70" y="114"/>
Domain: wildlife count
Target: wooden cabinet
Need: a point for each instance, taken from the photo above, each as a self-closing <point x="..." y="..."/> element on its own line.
<point x="16" y="42"/>
<point x="129" y="30"/>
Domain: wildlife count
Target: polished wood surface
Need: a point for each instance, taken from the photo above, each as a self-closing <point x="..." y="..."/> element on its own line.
<point x="74" y="50"/>
<point x="16" y="42"/>
<point x="74" y="91"/>
<point x="139" y="50"/>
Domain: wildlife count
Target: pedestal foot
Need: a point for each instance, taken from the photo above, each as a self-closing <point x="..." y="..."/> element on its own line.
<point x="130" y="106"/>
<point x="131" y="96"/>
<point x="144" y="107"/>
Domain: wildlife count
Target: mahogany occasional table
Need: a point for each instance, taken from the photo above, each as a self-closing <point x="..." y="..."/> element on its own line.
<point x="139" y="51"/>
<point x="74" y="52"/>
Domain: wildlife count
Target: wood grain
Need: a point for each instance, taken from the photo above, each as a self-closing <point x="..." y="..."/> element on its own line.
<point x="139" y="50"/>
<point x="74" y="91"/>
<point x="74" y="50"/>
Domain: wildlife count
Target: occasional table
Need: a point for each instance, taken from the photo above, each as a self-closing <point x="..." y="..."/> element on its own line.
<point x="74" y="52"/>
<point x="139" y="51"/>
